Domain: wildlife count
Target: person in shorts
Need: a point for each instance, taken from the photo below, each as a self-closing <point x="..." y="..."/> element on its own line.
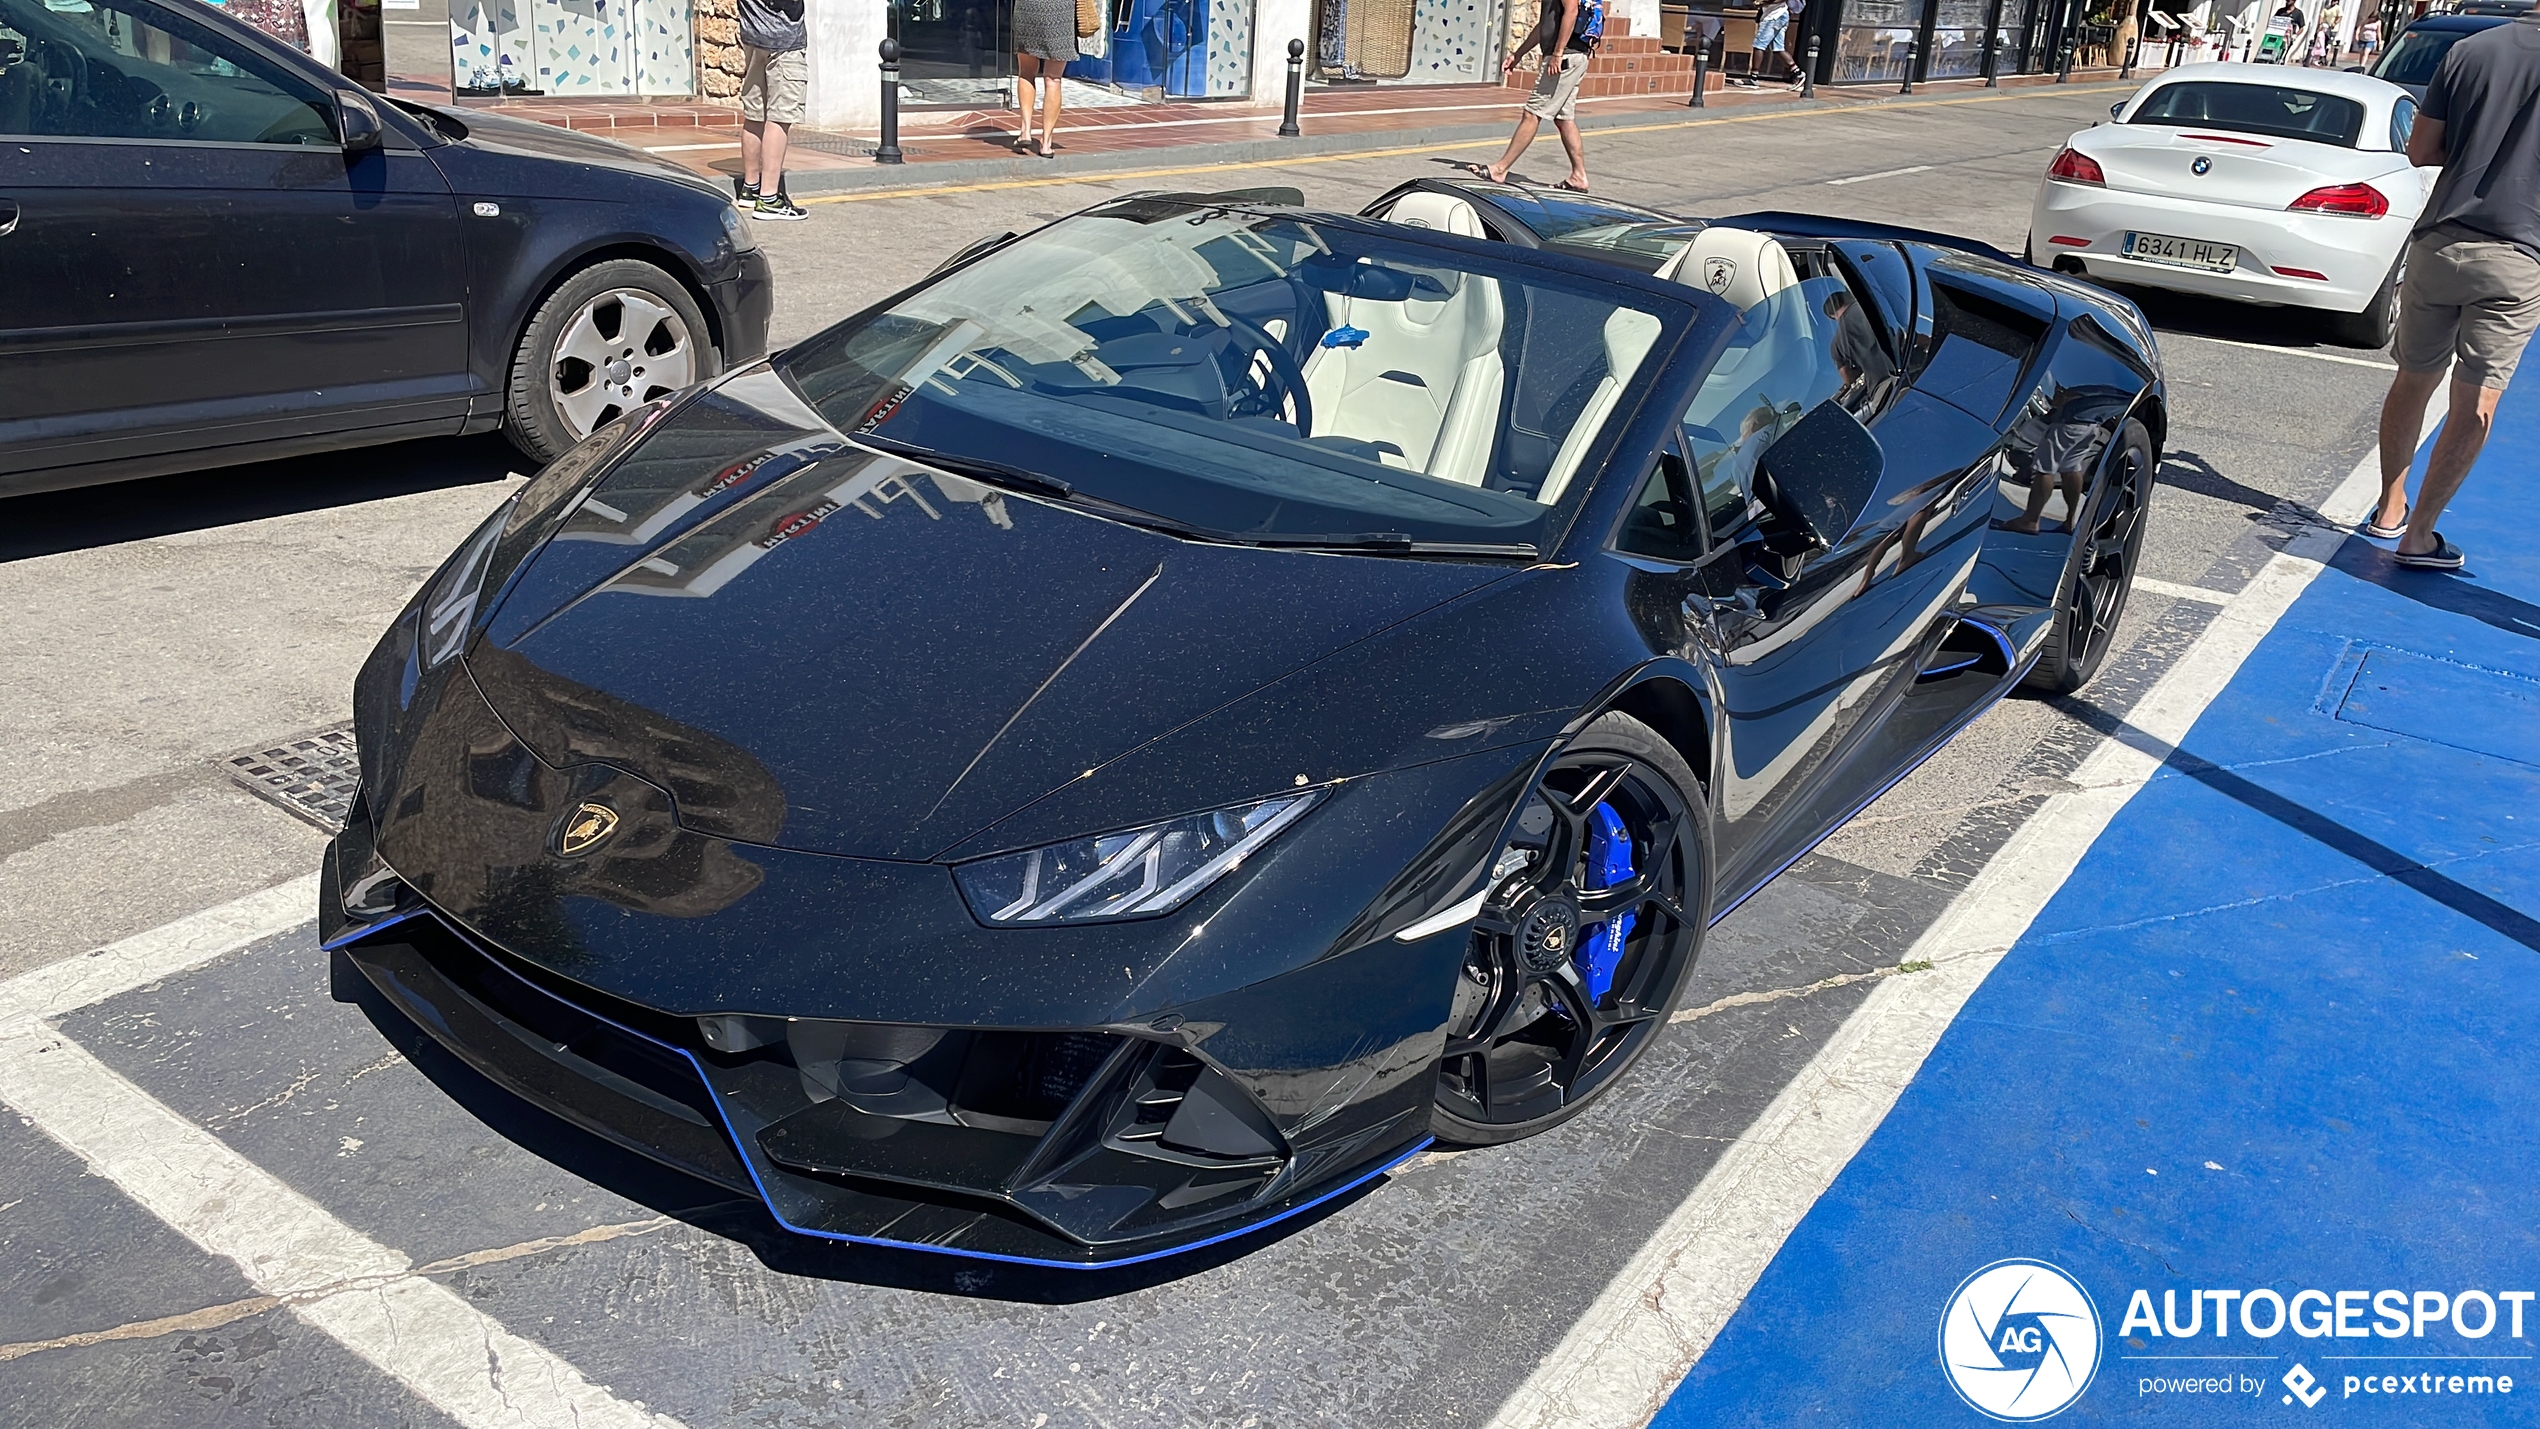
<point x="1566" y="33"/>
<point x="2472" y="293"/>
<point x="1772" y="36"/>
<point x="773" y="77"/>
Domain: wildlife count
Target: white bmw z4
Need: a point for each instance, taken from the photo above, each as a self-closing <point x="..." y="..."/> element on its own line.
<point x="2257" y="183"/>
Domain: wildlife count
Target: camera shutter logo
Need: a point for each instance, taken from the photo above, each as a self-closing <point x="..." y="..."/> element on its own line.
<point x="2020" y="1340"/>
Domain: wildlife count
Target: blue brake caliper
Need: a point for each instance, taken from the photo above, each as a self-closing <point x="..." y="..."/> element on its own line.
<point x="1609" y="862"/>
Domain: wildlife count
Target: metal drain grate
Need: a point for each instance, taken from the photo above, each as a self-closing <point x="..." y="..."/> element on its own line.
<point x="314" y="776"/>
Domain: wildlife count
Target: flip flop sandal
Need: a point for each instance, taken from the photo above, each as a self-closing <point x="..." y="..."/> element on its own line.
<point x="1482" y="172"/>
<point x="1021" y="146"/>
<point x="2379" y="532"/>
<point x="1568" y="187"/>
<point x="2444" y="557"/>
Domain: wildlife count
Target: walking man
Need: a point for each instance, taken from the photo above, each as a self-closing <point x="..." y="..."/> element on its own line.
<point x="773" y="78"/>
<point x="2472" y="293"/>
<point x="1567" y="32"/>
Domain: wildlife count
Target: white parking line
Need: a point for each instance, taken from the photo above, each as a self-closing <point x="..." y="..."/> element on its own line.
<point x="2338" y="358"/>
<point x="1622" y="1359"/>
<point x="2175" y="591"/>
<point x="364" y="1294"/>
<point x="1881" y="174"/>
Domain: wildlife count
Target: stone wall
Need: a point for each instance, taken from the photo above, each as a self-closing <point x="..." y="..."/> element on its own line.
<point x="718" y="49"/>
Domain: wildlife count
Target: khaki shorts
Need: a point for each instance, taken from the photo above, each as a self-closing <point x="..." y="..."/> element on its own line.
<point x="2470" y="298"/>
<point x="772" y="85"/>
<point x="1556" y="93"/>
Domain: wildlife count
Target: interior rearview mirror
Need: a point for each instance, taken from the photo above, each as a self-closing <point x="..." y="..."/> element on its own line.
<point x="357" y="120"/>
<point x="1372" y="281"/>
<point x="1818" y="478"/>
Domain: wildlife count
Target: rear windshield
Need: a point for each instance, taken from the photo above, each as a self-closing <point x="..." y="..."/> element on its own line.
<point x="2412" y="60"/>
<point x="2278" y="111"/>
<point x="1255" y="375"/>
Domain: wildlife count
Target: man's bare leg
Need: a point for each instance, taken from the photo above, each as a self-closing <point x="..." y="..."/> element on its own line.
<point x="2402" y="417"/>
<point x="772" y="157"/>
<point x="1571" y="145"/>
<point x="750" y="132"/>
<point x="1527" y="124"/>
<point x="2455" y="452"/>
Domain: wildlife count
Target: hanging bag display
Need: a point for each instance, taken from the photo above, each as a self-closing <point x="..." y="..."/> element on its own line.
<point x="1088" y="17"/>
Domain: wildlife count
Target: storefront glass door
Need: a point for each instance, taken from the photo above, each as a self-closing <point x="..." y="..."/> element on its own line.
<point x="955" y="51"/>
<point x="1875" y="38"/>
<point x="1957" y="40"/>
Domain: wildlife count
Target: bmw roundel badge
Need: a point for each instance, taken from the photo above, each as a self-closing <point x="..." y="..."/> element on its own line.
<point x="2201" y="165"/>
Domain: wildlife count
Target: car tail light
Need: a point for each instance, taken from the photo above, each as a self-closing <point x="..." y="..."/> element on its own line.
<point x="2350" y="200"/>
<point x="2302" y="273"/>
<point x="2065" y="241"/>
<point x="2075" y="167"/>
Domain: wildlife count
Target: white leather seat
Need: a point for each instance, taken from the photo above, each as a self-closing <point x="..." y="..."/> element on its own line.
<point x="1738" y="266"/>
<point x="1426" y="382"/>
<point x="1628" y="334"/>
<point x="1446" y="213"/>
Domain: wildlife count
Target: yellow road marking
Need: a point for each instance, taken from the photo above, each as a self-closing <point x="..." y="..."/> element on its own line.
<point x="1121" y="175"/>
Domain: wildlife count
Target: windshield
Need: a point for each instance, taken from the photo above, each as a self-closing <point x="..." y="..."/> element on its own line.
<point x="2413" y="59"/>
<point x="1253" y="376"/>
<point x="2278" y="111"/>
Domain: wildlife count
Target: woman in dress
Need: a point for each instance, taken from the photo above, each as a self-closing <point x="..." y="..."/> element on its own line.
<point x="1044" y="41"/>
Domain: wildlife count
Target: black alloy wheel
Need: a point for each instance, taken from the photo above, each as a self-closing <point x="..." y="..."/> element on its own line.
<point x="2099" y="575"/>
<point x="1585" y="942"/>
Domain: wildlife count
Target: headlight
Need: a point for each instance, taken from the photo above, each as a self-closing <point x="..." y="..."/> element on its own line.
<point x="449" y="603"/>
<point x="1130" y="874"/>
<point x="743" y="240"/>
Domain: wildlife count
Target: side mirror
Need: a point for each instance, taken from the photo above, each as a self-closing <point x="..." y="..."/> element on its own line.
<point x="357" y="121"/>
<point x="1818" y="478"/>
<point x="2116" y="109"/>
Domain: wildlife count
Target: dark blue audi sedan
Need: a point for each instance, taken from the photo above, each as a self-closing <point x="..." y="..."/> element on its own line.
<point x="217" y="250"/>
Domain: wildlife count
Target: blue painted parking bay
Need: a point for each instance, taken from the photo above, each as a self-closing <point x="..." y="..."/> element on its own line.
<point x="2271" y="1058"/>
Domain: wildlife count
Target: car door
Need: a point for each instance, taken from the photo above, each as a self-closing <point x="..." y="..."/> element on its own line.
<point x="195" y="261"/>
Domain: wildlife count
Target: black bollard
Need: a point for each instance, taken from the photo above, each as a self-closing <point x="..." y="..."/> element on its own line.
<point x="888" y="151"/>
<point x="1913" y="47"/>
<point x="1808" y="76"/>
<point x="1993" y="59"/>
<point x="2132" y="48"/>
<point x="1296" y="89"/>
<point x="1701" y="72"/>
<point x="2064" y="66"/>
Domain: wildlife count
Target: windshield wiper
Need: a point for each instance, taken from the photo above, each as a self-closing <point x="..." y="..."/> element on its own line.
<point x="977" y="468"/>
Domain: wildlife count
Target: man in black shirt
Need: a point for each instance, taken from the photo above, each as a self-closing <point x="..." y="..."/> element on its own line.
<point x="2472" y="292"/>
<point x="1567" y="32"/>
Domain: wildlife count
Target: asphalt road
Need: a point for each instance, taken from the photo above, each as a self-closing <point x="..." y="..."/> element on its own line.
<point x="161" y="625"/>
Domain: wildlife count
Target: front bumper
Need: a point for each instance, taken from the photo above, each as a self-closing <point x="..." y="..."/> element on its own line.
<point x="746" y="303"/>
<point x="2355" y="254"/>
<point x="1122" y="1168"/>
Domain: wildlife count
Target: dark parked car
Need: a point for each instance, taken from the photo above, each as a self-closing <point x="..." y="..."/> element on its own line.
<point x="214" y="250"/>
<point x="2409" y="60"/>
<point x="1144" y="730"/>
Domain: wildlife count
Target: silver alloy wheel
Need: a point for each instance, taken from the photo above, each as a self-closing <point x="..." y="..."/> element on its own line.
<point x="623" y="349"/>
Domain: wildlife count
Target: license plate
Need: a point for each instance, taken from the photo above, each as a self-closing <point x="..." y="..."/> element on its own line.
<point x="2183" y="252"/>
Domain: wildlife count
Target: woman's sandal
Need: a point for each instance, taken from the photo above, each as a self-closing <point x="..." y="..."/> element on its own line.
<point x="2379" y="532"/>
<point x="2444" y="557"/>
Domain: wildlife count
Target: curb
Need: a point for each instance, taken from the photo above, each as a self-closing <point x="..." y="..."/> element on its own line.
<point x="918" y="177"/>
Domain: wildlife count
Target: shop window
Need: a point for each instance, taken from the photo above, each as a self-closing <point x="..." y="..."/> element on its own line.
<point x="106" y="72"/>
<point x="592" y="48"/>
<point x="1875" y="39"/>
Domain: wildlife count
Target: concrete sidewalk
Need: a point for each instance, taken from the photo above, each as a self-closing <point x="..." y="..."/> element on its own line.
<point x="2257" y="1081"/>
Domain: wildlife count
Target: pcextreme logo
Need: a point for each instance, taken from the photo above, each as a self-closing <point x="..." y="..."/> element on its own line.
<point x="2019" y="1340"/>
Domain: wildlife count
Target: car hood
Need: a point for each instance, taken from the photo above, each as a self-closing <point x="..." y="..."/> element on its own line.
<point x="825" y="648"/>
<point x="492" y="132"/>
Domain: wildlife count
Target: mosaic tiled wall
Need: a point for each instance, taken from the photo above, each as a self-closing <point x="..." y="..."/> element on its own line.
<point x="1451" y="41"/>
<point x="589" y="48"/>
<point x="1229" y="48"/>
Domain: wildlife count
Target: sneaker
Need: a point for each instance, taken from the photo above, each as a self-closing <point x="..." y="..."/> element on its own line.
<point x="744" y="195"/>
<point x="780" y="207"/>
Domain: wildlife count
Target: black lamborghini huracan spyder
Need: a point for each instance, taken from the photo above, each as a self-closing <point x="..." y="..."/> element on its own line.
<point x="1142" y="731"/>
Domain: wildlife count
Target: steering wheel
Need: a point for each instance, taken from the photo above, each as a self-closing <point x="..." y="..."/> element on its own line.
<point x="61" y="74"/>
<point x="1285" y="387"/>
